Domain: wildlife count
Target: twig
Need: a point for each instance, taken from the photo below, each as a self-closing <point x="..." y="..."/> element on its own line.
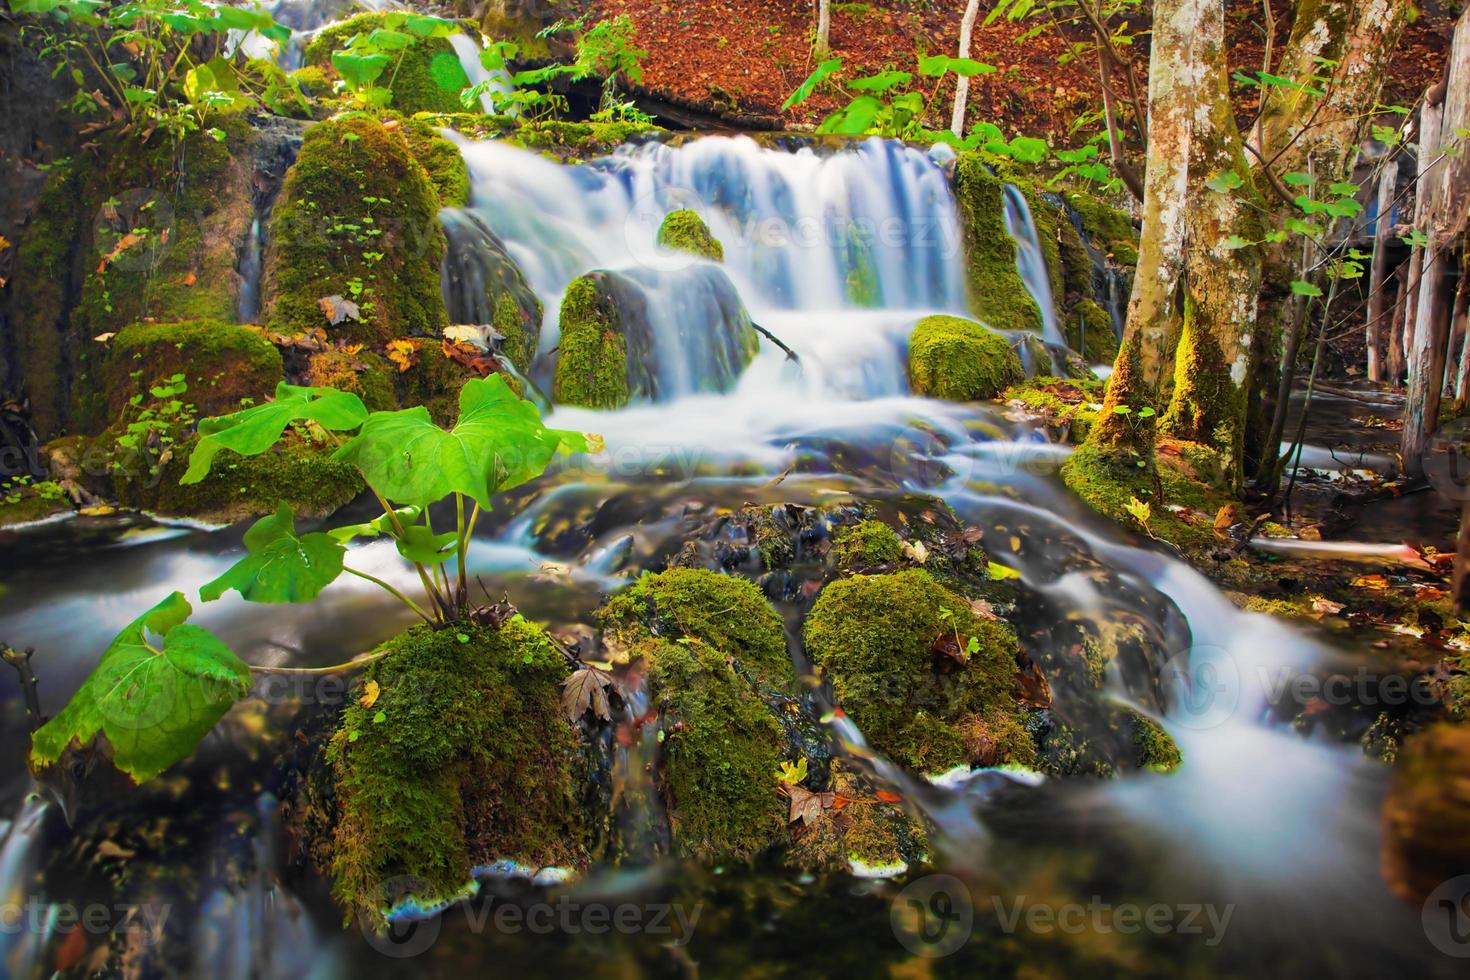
<point x="791" y="355"/>
<point x="21" y="661"/>
<point x="318" y="671"/>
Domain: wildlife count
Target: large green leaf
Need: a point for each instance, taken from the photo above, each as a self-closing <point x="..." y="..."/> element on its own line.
<point x="419" y="544"/>
<point x="804" y="91"/>
<point x="152" y="703"/>
<point x="499" y="443"/>
<point x="377" y="528"/>
<point x="282" y="566"/>
<point x="254" y="430"/>
<point x="358" y="70"/>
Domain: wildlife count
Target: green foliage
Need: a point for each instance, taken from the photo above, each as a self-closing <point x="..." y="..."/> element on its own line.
<point x="158" y="63"/>
<point x="252" y="431"/>
<point x="498" y="443"/>
<point x="394" y="58"/>
<point x="152" y="703"/>
<point x="607" y="51"/>
<point x="282" y="566"/>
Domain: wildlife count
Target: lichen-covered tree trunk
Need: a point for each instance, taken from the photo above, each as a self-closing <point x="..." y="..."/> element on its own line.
<point x="822" y="41"/>
<point x="1426" y="343"/>
<point x="962" y="86"/>
<point x="1155" y="311"/>
<point x="1378" y="284"/>
<point x="1213" y="361"/>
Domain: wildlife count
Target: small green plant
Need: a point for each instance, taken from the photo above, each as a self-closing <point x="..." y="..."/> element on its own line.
<point x="163" y="683"/>
<point x="153" y="425"/>
<point x="968" y="646"/>
<point x="366" y="58"/>
<point x="607" y="51"/>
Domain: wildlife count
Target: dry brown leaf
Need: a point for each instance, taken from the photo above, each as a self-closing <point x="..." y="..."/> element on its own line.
<point x="586" y="689"/>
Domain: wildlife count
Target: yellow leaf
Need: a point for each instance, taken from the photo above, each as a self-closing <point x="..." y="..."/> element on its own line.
<point x="370" y="692"/>
<point x="403" y="353"/>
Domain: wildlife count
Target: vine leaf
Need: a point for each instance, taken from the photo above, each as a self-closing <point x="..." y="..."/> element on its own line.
<point x="586" y="689"/>
<point x="152" y="703"/>
<point x="282" y="566"/>
<point x="252" y="431"/>
<point x="498" y="443"/>
<point x="420" y="544"/>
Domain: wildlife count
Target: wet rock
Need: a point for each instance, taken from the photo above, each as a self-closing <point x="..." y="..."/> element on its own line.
<point x="1426" y="816"/>
<point x="960" y="360"/>
<point x="685" y="231"/>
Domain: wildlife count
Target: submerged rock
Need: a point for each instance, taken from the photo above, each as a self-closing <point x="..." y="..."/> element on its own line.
<point x="645" y="334"/>
<point x="960" y="360"/>
<point x="462" y="759"/>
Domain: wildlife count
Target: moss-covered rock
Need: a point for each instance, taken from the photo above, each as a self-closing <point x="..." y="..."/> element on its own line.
<point x="1110" y="228"/>
<point x="592" y="357"/>
<point x="872" y="836"/>
<point x="363" y="373"/>
<point x="425" y="77"/>
<point x="722" y="611"/>
<point x="1110" y="480"/>
<point x="298" y="472"/>
<point x="865" y="546"/>
<point x="1111" y="738"/>
<point x="960" y="360"/>
<point x="463" y="759"/>
<point x="1426" y="816"/>
<point x="685" y="231"/>
<point x="722" y="749"/>
<point x="358" y="218"/>
<point x="221" y="363"/>
<point x="714" y="648"/>
<point x="1069" y="407"/>
<point x="1089" y="331"/>
<point x="998" y="296"/>
<point x="23" y="500"/>
<point x="874" y="637"/>
<point x="442" y="161"/>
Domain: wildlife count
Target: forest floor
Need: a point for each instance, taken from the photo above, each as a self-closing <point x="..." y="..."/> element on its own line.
<point x="746" y="56"/>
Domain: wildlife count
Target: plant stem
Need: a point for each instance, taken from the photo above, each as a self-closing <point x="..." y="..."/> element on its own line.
<point x="391" y="591"/>
<point x="317" y="671"/>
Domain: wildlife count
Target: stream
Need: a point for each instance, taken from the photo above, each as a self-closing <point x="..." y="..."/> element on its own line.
<point x="1260" y="855"/>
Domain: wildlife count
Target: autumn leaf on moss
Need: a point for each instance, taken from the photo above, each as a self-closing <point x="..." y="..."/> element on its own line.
<point x="152" y="700"/>
<point x="403" y="353"/>
<point x="282" y="566"/>
<point x="586" y="689"/>
<point x="370" y="692"/>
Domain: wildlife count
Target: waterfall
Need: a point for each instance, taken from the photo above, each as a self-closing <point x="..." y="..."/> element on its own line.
<point x="1108" y="289"/>
<point x="1031" y="261"/>
<point x="468" y="51"/>
<point x="248" y="305"/>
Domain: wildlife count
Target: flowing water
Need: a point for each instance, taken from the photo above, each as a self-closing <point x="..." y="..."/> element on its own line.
<point x="1268" y="835"/>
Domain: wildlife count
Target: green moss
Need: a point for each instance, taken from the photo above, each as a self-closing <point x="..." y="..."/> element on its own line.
<point x="1108" y="479"/>
<point x="721" y="751"/>
<point x="364" y="373"/>
<point x="721" y="611"/>
<point x="1156" y="749"/>
<point x="442" y="161"/>
<point x="297" y="472"/>
<point x="866" y="545"/>
<point x="500" y="25"/>
<point x="1205" y="407"/>
<point x="222" y="363"/>
<point x="425" y="77"/>
<point x="685" y="231"/>
<point x="23" y="503"/>
<point x="434" y="381"/>
<point x="998" y="295"/>
<point x="1110" y="229"/>
<point x="521" y="336"/>
<point x="874" y="636"/>
<point x="358" y="217"/>
<point x="281" y="92"/>
<point x="463" y="759"/>
<point x="592" y="358"/>
<point x="1089" y="331"/>
<point x="960" y="360"/>
<point x="1064" y="402"/>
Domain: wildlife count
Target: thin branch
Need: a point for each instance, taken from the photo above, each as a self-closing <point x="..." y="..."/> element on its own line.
<point x="357" y="664"/>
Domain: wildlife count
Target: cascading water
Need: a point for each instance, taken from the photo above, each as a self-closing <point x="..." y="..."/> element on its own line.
<point x="1031" y="261"/>
<point x="1257" y="818"/>
<point x="1107" y="280"/>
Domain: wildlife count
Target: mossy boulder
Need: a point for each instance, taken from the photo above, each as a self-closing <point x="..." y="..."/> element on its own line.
<point x="592" y="357"/>
<point x="1110" y="229"/>
<point x="441" y="160"/>
<point x="1426" y="815"/>
<point x="1089" y="331"/>
<point x="487" y="286"/>
<point x="873" y="836"/>
<point x="221" y="363"/>
<point x="998" y="295"/>
<point x="130" y="233"/>
<point x="364" y="373"/>
<point x="463" y="759"/>
<point x="1101" y="742"/>
<point x="960" y="360"/>
<point x="425" y="77"/>
<point x="715" y="650"/>
<point x="723" y="611"/>
<point x="1110" y="480"/>
<point x="880" y="640"/>
<point x="358" y="217"/>
<point x="298" y="472"/>
<point x="23" y="500"/>
<point x="685" y="231"/>
<point x="865" y="546"/>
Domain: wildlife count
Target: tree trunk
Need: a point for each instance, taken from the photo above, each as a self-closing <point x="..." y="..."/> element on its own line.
<point x="1462" y="325"/>
<point x="962" y="87"/>
<point x="1426" y="346"/>
<point x="1213" y="360"/>
<point x="822" y="43"/>
<point x="1378" y="277"/>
